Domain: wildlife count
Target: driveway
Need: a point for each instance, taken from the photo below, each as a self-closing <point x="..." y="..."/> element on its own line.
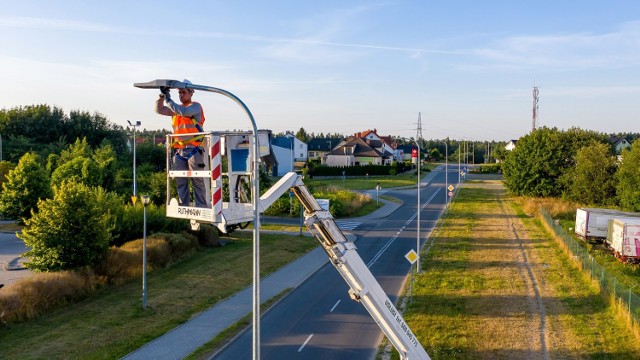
<point x="11" y="268"/>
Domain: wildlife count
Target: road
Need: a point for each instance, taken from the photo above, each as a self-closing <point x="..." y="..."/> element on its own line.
<point x="318" y="320"/>
<point x="10" y="250"/>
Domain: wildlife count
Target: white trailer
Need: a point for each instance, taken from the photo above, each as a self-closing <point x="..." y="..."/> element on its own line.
<point x="226" y="215"/>
<point x="624" y="239"/>
<point x="593" y="223"/>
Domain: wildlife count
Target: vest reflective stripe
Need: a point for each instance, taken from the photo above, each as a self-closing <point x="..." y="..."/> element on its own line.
<point x="186" y="125"/>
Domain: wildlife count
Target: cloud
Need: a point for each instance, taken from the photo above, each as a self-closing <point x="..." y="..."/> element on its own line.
<point x="564" y="51"/>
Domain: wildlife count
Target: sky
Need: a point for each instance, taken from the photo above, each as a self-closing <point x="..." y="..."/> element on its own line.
<point x="465" y="68"/>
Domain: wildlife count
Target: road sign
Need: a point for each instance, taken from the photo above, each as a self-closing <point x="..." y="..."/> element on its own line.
<point x="450" y="193"/>
<point x="411" y="256"/>
<point x="450" y="188"/>
<point x="133" y="199"/>
<point x="462" y="173"/>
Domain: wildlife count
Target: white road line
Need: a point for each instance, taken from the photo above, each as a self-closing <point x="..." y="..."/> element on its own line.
<point x="305" y="343"/>
<point x="335" y="306"/>
<point x="386" y="246"/>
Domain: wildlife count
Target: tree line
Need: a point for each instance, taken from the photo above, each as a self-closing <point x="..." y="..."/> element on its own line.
<point x="574" y="164"/>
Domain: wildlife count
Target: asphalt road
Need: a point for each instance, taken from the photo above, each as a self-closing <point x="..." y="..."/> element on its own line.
<point x="318" y="320"/>
<point x="10" y="250"/>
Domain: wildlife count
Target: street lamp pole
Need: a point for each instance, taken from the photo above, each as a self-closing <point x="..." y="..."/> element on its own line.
<point x="255" y="193"/>
<point x="145" y="202"/>
<point x="446" y="175"/>
<point x="419" y="210"/>
<point x="137" y="123"/>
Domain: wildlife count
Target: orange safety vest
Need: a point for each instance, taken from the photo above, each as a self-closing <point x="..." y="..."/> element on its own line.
<point x="186" y="125"/>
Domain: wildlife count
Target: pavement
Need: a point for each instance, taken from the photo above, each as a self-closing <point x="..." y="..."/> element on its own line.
<point x="188" y="337"/>
<point x="11" y="249"/>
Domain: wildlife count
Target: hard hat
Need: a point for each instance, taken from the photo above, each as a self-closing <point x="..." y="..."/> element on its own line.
<point x="188" y="83"/>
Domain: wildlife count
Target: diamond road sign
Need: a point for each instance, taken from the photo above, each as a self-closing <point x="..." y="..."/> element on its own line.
<point x="412" y="256"/>
<point x="450" y="188"/>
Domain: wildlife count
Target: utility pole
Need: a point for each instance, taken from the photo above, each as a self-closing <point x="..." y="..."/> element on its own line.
<point x="534" y="120"/>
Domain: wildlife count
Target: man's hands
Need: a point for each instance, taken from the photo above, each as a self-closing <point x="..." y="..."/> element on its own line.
<point x="165" y="92"/>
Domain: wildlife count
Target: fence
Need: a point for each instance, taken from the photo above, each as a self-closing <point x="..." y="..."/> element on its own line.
<point x="625" y="298"/>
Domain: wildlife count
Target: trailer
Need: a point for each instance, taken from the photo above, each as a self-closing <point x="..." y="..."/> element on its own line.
<point x="624" y="239"/>
<point x="232" y="151"/>
<point x="593" y="223"/>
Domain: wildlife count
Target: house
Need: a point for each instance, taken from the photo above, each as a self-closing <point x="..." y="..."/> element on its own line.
<point x="355" y="151"/>
<point x="384" y="145"/>
<point x="619" y="144"/>
<point x="289" y="152"/>
<point x="404" y="152"/>
<point x="320" y="147"/>
<point x="511" y="145"/>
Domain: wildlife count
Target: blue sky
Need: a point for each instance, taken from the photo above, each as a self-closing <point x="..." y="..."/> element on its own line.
<point x="335" y="66"/>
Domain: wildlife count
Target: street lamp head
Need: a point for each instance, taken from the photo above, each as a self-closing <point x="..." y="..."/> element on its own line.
<point x="145" y="199"/>
<point x="138" y="123"/>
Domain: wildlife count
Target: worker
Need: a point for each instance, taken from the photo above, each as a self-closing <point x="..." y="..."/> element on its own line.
<point x="187" y="118"/>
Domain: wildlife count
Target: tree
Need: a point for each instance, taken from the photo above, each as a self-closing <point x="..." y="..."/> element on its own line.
<point x="591" y="180"/>
<point x="80" y="169"/>
<point x="302" y="135"/>
<point x="628" y="177"/>
<point x="70" y="231"/>
<point x="25" y="185"/>
<point x="5" y="168"/>
<point x="435" y="154"/>
<point x="534" y="167"/>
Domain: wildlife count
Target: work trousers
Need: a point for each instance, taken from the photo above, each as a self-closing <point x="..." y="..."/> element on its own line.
<point x="194" y="163"/>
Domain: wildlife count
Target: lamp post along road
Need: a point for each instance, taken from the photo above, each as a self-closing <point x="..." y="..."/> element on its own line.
<point x="419" y="210"/>
<point x="255" y="193"/>
<point x="137" y="123"/>
<point x="145" y="202"/>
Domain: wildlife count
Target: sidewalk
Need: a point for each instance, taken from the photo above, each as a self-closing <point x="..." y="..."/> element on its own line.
<point x="188" y="337"/>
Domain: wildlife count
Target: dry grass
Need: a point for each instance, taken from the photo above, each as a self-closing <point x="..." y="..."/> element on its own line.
<point x="35" y="295"/>
<point x="496" y="286"/>
<point x="558" y="208"/>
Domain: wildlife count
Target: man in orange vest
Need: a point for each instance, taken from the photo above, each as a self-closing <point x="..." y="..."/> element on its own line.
<point x="187" y="119"/>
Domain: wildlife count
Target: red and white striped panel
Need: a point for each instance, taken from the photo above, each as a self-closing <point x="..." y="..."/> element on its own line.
<point x="216" y="177"/>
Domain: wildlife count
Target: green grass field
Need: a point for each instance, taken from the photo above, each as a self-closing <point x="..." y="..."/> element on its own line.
<point x="112" y="323"/>
<point x="369" y="182"/>
<point x="495" y="285"/>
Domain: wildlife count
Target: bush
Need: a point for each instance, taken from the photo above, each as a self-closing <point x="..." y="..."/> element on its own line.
<point x="130" y="223"/>
<point x="70" y="231"/>
<point x="323" y="170"/>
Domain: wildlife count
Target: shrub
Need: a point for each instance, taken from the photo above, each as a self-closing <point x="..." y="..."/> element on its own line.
<point x="70" y="231"/>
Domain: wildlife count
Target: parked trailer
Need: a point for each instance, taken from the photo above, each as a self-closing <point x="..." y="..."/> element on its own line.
<point x="624" y="239"/>
<point x="593" y="223"/>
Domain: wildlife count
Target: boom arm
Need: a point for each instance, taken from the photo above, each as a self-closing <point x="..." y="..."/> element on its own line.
<point x="364" y="287"/>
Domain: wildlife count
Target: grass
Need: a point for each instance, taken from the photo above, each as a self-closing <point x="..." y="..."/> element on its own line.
<point x="111" y="324"/>
<point x="369" y="183"/>
<point x="476" y="296"/>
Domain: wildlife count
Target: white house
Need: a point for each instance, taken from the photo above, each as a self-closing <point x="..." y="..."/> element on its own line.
<point x="290" y="153"/>
<point x="511" y="145"/>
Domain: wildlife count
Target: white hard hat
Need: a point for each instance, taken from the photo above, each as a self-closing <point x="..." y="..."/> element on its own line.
<point x="188" y="83"/>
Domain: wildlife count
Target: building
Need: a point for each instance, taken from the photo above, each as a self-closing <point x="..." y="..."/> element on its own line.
<point x="320" y="147"/>
<point x="353" y="152"/>
<point x="511" y="145"/>
<point x="290" y="154"/>
<point x="619" y="144"/>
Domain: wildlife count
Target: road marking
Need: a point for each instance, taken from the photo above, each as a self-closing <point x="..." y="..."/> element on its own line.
<point x="386" y="246"/>
<point x="305" y="343"/>
<point x="348" y="225"/>
<point x="334" y="306"/>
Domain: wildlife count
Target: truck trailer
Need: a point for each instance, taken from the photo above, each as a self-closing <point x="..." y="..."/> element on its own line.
<point x="624" y="239"/>
<point x="593" y="223"/>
